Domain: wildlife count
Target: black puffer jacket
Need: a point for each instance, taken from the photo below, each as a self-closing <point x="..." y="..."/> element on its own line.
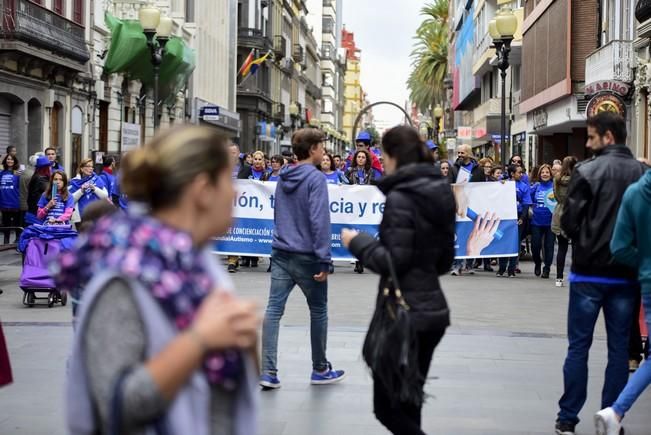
<point x="418" y="231"/>
<point x="594" y="195"/>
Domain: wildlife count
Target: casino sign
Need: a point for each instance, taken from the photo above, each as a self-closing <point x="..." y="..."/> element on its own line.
<point x="607" y="96"/>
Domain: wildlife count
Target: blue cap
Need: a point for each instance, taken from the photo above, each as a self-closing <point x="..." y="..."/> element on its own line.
<point x="363" y="136"/>
<point x="42" y="162"/>
<point x="431" y="145"/>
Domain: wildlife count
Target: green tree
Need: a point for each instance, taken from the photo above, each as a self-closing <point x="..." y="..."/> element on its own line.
<point x="430" y="56"/>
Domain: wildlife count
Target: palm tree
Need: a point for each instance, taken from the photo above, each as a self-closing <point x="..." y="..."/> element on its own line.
<point x="430" y="56"/>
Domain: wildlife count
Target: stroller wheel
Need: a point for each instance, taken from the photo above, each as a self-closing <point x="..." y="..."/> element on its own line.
<point x="63" y="298"/>
<point x="31" y="299"/>
<point x="51" y="299"/>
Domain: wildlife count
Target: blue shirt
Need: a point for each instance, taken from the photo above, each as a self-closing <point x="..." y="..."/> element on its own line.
<point x="60" y="206"/>
<point x="522" y="195"/>
<point x="256" y="175"/>
<point x="109" y="182"/>
<point x="9" y="190"/>
<point x="273" y="178"/>
<point x="334" y="178"/>
<point x="88" y="196"/>
<point x="544" y="203"/>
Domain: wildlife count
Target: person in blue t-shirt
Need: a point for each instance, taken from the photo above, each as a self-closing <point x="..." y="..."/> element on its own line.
<point x="85" y="188"/>
<point x="258" y="169"/>
<point x="107" y="176"/>
<point x="542" y="238"/>
<point x="56" y="204"/>
<point x="51" y="154"/>
<point x="523" y="200"/>
<point x="10" y="195"/>
<point x="332" y="174"/>
<point x="277" y="163"/>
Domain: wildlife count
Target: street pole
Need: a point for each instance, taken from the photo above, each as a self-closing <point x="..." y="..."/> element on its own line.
<point x="156" y="110"/>
<point x="503" y="48"/>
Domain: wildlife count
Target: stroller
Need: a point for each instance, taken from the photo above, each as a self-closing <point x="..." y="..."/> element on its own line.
<point x="40" y="245"/>
<point x="35" y="277"/>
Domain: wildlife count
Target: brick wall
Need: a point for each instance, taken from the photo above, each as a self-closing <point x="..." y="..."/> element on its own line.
<point x="585" y="28"/>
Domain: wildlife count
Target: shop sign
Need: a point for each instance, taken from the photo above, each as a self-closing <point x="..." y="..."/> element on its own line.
<point x="614" y="86"/>
<point x="209" y="113"/>
<point x="479" y="132"/>
<point x="464" y="132"/>
<point x="539" y="118"/>
<point x="605" y="102"/>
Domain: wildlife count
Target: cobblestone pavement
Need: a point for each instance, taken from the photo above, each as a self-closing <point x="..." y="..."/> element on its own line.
<point x="497" y="371"/>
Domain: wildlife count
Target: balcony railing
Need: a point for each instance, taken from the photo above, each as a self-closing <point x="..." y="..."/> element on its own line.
<point x="280" y="46"/>
<point x="25" y="21"/>
<point x="491" y="107"/>
<point x="254" y="38"/>
<point x="484" y="45"/>
<point x="613" y="61"/>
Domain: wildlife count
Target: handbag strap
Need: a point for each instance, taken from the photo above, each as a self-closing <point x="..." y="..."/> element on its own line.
<point x="393" y="277"/>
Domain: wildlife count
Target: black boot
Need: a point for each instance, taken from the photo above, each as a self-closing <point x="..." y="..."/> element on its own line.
<point x="359" y="268"/>
<point x="254" y="262"/>
<point x="537" y="270"/>
<point x="545" y="273"/>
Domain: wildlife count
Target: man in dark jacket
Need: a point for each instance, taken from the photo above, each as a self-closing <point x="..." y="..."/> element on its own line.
<point x="597" y="281"/>
<point x="466" y="168"/>
<point x="300" y="256"/>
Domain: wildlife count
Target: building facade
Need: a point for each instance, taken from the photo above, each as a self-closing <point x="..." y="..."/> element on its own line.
<point x="45" y="80"/>
<point x="353" y="93"/>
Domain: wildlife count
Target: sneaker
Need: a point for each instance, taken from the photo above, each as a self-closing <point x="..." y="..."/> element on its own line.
<point x="328" y="377"/>
<point x="232" y="268"/>
<point x="633" y="365"/>
<point x="511" y="274"/>
<point x="559" y="282"/>
<point x="500" y="273"/>
<point x="517" y="270"/>
<point x="469" y="271"/>
<point x="268" y="382"/>
<point x="607" y="423"/>
<point x="564" y="428"/>
<point x="455" y="272"/>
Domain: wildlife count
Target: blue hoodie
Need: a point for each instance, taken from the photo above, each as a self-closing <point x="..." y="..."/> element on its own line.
<point x="631" y="242"/>
<point x="301" y="213"/>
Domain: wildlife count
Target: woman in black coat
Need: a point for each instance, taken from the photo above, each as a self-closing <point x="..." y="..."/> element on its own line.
<point x="418" y="231"/>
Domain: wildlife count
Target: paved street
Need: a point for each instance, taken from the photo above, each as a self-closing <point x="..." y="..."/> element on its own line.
<point x="497" y="371"/>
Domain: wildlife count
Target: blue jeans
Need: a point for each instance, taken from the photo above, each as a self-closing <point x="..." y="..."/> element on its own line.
<point x="543" y="239"/>
<point x="288" y="270"/>
<point x="642" y="377"/>
<point x="586" y="300"/>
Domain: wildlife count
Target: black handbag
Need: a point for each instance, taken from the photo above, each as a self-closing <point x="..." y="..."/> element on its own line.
<point x="391" y="347"/>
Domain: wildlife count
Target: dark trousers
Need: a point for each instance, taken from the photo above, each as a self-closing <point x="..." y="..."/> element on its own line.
<point x="586" y="301"/>
<point x="635" y="345"/>
<point x="10" y="219"/>
<point x="561" y="255"/>
<point x="404" y="418"/>
<point x="542" y="239"/>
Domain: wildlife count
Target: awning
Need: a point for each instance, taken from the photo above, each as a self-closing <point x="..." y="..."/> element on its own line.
<point x="130" y="55"/>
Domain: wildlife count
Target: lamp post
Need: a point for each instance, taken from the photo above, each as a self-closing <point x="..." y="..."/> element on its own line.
<point x="501" y="29"/>
<point x="157" y="30"/>
<point x="293" y="114"/>
<point x="438" y="114"/>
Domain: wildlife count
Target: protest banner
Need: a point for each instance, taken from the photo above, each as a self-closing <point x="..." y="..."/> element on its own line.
<point x="362" y="207"/>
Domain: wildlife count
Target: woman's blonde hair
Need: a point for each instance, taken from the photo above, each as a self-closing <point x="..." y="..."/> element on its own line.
<point x="258" y="153"/>
<point x="158" y="173"/>
<point x="83" y="163"/>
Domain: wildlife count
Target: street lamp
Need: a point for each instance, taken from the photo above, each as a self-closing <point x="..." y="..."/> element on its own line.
<point x="501" y="29"/>
<point x="438" y="114"/>
<point x="157" y="30"/>
<point x="293" y="114"/>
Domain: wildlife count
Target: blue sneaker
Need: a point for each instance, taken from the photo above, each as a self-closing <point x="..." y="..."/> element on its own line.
<point x="269" y="382"/>
<point x="328" y="377"/>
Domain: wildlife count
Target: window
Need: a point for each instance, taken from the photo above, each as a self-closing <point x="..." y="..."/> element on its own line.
<point x="57" y="7"/>
<point x="328" y="24"/>
<point x="78" y="11"/>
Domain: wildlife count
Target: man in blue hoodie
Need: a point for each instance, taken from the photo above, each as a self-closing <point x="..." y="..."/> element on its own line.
<point x="300" y="256"/>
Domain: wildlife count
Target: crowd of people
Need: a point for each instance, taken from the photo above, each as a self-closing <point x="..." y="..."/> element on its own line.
<point x="183" y="348"/>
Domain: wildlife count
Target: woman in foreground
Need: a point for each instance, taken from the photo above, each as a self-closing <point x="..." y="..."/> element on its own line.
<point x="161" y="345"/>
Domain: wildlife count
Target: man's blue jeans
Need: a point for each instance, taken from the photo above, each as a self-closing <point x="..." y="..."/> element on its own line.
<point x="288" y="270"/>
<point x="586" y="301"/>
<point x="642" y="377"/>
